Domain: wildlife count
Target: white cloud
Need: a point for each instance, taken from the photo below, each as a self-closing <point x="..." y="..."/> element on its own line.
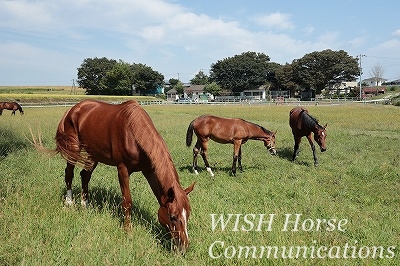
<point x="357" y="42"/>
<point x="396" y="32"/>
<point x="309" y="29"/>
<point x="275" y="20"/>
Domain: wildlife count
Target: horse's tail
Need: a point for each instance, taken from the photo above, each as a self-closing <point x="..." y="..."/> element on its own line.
<point x="69" y="147"/>
<point x="38" y="144"/>
<point x="189" y="134"/>
<point x="20" y="109"/>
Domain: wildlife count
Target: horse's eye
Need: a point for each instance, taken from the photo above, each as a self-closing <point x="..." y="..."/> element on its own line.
<point x="173" y="218"/>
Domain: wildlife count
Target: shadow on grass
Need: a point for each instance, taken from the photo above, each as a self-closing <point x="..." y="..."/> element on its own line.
<point x="10" y="141"/>
<point x="285" y="153"/>
<point x="110" y="200"/>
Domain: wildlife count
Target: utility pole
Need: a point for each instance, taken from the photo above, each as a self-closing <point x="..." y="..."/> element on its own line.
<point x="73" y="91"/>
<point x="360" y="56"/>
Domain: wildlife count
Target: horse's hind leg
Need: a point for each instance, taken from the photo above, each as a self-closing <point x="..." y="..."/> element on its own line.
<point x="196" y="150"/>
<point x="69" y="175"/>
<point x="203" y="152"/>
<point x="85" y="178"/>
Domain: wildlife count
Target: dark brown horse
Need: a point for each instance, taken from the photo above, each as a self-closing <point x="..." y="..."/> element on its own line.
<point x="13" y="106"/>
<point x="226" y="130"/>
<point x="303" y="124"/>
<point x="123" y="136"/>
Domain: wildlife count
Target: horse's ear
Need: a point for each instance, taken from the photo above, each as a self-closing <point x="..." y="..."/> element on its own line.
<point x="325" y="125"/>
<point x="275" y="132"/>
<point x="190" y="188"/>
<point x="170" y="195"/>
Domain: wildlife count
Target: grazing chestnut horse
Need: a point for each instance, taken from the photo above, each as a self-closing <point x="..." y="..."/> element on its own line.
<point x="11" y="106"/>
<point x="123" y="136"/>
<point x="303" y="124"/>
<point x="226" y="130"/>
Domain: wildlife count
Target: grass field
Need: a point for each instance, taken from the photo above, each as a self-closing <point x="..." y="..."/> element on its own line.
<point x="356" y="187"/>
<point x="55" y="94"/>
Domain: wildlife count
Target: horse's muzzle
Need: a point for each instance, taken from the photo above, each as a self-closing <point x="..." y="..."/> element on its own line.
<point x="179" y="246"/>
<point x="272" y="151"/>
<point x="323" y="149"/>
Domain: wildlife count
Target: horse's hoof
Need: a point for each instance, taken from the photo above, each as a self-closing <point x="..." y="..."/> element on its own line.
<point x="210" y="171"/>
<point x="85" y="203"/>
<point x="68" y="202"/>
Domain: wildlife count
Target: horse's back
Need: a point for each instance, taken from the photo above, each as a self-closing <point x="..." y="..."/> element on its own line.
<point x="295" y="120"/>
<point x="99" y="128"/>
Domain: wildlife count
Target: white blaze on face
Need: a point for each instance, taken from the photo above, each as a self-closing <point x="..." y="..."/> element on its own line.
<point x="184" y="217"/>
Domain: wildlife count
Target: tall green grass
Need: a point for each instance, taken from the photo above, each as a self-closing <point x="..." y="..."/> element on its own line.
<point x="357" y="180"/>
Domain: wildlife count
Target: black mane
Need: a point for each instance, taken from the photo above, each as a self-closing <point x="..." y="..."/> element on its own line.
<point x="308" y="120"/>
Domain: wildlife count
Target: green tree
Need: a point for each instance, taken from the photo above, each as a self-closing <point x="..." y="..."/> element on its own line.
<point x="109" y="77"/>
<point x="317" y="70"/>
<point x="92" y="72"/>
<point x="177" y="85"/>
<point x="118" y="80"/>
<point x="248" y="70"/>
<point x="213" y="88"/>
<point x="286" y="79"/>
<point x="199" y="79"/>
<point x="145" y="79"/>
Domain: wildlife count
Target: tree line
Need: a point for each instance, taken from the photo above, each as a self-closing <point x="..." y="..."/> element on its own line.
<point x="249" y="70"/>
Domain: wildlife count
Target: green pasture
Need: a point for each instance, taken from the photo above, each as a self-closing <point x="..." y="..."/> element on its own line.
<point x="356" y="187"/>
<point x="56" y="94"/>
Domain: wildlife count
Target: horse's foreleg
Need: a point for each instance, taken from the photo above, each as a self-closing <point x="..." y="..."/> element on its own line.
<point x="236" y="150"/>
<point x="123" y="178"/>
<point x="309" y="137"/>
<point x="296" y="148"/>
<point x="69" y="175"/>
<point x="85" y="178"/>
<point x="240" y="159"/>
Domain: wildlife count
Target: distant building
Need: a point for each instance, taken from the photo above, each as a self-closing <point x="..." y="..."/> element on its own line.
<point x="374" y="81"/>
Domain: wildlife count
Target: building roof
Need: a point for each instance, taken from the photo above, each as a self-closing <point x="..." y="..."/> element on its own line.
<point x="195" y="88"/>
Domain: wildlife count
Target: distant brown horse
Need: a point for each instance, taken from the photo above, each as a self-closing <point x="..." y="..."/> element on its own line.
<point x="123" y="136"/>
<point x="11" y="106"/>
<point x="226" y="130"/>
<point x="303" y="124"/>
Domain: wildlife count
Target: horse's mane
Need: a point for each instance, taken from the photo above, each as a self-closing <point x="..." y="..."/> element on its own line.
<point x="147" y="137"/>
<point x="309" y="120"/>
<point x="266" y="131"/>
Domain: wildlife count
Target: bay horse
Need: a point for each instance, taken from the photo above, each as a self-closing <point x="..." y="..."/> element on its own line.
<point x="14" y="106"/>
<point x="123" y="136"/>
<point x="303" y="124"/>
<point x="226" y="130"/>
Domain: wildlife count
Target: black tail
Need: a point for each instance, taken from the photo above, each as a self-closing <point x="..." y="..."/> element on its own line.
<point x="189" y="134"/>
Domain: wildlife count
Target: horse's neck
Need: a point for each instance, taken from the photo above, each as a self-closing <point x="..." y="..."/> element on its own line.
<point x="160" y="180"/>
<point x="161" y="173"/>
<point x="257" y="133"/>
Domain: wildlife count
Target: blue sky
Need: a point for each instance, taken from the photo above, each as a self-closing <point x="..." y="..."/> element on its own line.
<point x="43" y="42"/>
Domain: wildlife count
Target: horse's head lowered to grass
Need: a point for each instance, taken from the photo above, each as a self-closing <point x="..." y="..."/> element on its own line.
<point x="173" y="214"/>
